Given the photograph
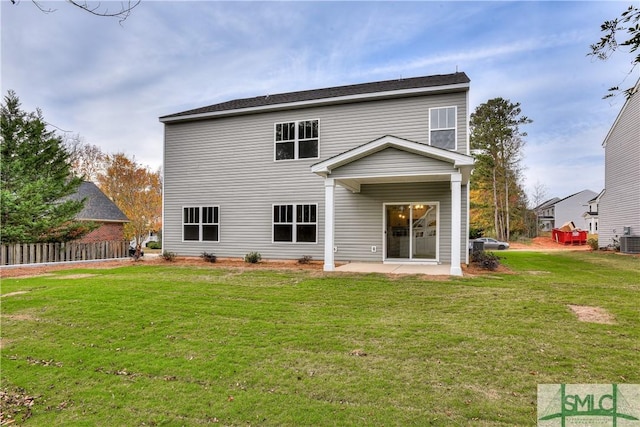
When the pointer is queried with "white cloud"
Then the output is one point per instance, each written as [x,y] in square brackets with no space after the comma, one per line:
[110,82]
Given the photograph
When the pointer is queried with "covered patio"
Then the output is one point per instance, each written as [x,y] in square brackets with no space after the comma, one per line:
[420,163]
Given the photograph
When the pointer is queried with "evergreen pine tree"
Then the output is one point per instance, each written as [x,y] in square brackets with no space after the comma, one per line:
[35,180]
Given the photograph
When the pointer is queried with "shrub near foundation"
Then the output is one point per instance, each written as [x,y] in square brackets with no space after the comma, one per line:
[485,260]
[208,257]
[252,257]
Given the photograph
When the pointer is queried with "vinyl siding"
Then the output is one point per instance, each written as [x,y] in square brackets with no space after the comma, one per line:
[360,217]
[620,204]
[229,162]
[572,208]
[390,161]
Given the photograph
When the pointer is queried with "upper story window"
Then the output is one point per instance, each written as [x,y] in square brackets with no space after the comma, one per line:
[201,224]
[296,140]
[442,127]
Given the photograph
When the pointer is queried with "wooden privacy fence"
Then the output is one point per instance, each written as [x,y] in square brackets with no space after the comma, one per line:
[38,253]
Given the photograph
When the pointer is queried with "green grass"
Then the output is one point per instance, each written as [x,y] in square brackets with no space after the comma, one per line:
[167,345]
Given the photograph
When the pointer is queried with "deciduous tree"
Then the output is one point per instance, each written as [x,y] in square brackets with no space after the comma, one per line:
[35,180]
[137,191]
[86,160]
[538,196]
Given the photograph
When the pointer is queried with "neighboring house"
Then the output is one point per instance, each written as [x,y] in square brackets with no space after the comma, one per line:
[546,214]
[556,212]
[100,209]
[591,215]
[620,204]
[366,172]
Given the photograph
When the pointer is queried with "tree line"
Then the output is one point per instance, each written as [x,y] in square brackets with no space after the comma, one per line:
[40,169]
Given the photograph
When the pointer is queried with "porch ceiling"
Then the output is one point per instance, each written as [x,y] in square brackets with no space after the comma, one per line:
[354,183]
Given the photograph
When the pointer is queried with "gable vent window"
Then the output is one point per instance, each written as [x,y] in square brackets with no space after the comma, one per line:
[296,140]
[442,125]
[201,224]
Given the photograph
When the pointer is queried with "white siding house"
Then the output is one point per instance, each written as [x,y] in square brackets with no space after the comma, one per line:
[556,212]
[619,211]
[591,215]
[368,172]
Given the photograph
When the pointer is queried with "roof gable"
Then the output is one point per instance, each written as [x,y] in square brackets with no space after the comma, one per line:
[339,94]
[97,206]
[456,159]
[392,159]
[556,200]
[579,194]
[634,93]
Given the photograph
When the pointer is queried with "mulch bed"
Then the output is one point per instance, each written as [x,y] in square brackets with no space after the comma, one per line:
[37,270]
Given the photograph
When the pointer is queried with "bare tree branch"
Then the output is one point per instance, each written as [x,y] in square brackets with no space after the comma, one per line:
[95,8]
[126,7]
[41,7]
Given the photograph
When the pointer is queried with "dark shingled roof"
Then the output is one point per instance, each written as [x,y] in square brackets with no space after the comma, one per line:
[97,206]
[327,93]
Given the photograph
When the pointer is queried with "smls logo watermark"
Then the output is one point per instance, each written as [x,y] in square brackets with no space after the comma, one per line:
[564,405]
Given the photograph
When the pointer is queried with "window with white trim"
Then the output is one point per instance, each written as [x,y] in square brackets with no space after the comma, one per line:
[296,140]
[295,223]
[442,127]
[201,223]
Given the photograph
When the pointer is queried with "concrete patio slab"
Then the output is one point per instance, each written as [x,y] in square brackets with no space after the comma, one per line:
[378,267]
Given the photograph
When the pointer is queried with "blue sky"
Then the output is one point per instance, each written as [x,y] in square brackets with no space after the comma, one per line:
[110,82]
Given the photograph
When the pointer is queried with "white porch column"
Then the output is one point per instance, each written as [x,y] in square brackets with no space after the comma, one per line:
[329,223]
[456,220]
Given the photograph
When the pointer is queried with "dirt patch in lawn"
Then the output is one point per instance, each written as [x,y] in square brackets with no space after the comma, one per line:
[473,270]
[10,294]
[591,314]
[18,317]
[75,276]
[546,244]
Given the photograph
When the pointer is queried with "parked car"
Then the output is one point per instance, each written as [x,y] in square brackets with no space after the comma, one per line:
[490,243]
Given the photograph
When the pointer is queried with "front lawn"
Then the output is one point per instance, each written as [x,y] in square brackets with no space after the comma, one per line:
[170,345]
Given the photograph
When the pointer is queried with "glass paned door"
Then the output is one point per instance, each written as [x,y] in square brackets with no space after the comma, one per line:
[424,223]
[398,221]
[411,231]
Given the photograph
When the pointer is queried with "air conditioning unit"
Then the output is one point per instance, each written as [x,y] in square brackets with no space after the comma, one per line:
[630,244]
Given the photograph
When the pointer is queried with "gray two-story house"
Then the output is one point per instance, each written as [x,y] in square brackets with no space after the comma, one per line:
[367,172]
[619,209]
